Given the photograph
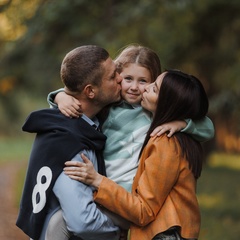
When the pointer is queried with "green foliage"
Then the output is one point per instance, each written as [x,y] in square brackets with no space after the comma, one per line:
[200,37]
[13,119]
[192,35]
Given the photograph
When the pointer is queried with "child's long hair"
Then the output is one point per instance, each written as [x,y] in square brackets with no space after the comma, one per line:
[143,56]
[181,96]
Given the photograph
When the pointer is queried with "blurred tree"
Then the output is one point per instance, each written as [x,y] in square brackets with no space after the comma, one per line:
[13,15]
[200,37]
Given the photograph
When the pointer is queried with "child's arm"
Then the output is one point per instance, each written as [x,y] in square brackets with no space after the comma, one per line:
[51,97]
[67,104]
[201,130]
[170,128]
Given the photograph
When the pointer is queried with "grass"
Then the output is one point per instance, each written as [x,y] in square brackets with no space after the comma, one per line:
[219,197]
[15,149]
[218,188]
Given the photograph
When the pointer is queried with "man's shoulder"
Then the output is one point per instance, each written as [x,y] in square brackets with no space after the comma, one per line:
[45,112]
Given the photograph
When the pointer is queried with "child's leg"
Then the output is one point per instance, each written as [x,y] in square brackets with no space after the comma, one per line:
[57,228]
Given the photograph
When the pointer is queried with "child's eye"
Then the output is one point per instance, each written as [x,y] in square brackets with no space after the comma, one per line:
[128,78]
[143,81]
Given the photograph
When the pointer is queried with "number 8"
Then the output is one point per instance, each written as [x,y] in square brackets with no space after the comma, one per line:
[40,188]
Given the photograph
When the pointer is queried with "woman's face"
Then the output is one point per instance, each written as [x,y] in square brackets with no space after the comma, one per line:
[135,79]
[150,96]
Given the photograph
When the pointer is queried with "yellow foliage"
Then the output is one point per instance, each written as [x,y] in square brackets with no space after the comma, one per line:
[12,20]
[231,161]
[210,201]
[226,138]
[6,85]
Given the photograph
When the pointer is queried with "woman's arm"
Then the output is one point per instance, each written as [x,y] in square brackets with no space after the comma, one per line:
[159,175]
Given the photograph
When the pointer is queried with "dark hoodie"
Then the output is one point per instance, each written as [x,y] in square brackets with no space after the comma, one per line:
[58,140]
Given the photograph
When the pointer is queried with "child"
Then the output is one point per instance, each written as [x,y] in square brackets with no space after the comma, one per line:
[127,122]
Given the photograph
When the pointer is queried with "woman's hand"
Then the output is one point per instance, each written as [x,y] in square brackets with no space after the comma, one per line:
[83,172]
[68,105]
[171,128]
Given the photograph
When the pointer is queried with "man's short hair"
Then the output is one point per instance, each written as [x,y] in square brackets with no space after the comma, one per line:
[82,66]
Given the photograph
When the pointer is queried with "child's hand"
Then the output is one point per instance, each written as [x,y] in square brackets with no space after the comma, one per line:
[171,128]
[68,105]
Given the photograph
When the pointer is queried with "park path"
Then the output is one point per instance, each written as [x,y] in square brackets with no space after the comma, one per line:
[8,204]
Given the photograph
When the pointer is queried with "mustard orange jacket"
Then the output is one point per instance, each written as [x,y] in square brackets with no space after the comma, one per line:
[163,193]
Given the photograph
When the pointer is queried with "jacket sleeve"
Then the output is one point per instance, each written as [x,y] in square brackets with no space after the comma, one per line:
[80,212]
[201,130]
[51,96]
[158,174]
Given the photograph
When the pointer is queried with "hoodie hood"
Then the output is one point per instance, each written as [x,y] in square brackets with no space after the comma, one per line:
[53,121]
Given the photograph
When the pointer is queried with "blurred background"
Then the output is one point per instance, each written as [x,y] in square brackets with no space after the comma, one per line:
[198,37]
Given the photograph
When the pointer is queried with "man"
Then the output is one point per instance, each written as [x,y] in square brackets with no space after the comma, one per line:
[90,75]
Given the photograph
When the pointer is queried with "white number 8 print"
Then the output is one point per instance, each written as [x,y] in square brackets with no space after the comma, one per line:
[40,188]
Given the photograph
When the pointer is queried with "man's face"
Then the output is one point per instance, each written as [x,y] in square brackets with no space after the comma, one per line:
[110,89]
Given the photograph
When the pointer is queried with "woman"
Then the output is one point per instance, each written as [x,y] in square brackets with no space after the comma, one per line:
[163,202]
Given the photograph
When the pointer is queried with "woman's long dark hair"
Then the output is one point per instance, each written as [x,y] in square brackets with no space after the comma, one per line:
[181,96]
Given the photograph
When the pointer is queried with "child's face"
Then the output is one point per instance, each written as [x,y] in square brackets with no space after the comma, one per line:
[135,79]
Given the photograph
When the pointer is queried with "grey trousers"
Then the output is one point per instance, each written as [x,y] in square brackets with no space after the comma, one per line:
[57,229]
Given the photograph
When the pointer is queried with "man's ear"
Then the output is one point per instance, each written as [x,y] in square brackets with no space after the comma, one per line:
[89,91]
